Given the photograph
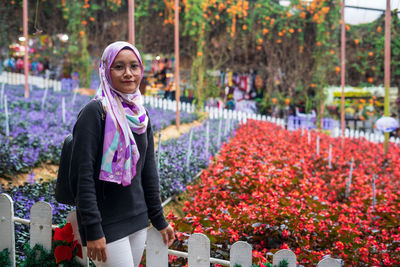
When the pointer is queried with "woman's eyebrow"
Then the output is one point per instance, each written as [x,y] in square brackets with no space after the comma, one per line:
[122,62]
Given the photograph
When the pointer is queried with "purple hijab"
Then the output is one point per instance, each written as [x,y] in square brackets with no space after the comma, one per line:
[125,114]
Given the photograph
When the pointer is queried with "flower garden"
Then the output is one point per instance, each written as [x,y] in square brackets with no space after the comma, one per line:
[229,179]
[265,185]
[269,187]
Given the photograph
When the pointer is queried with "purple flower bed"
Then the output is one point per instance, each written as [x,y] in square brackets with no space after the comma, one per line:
[36,135]
[174,176]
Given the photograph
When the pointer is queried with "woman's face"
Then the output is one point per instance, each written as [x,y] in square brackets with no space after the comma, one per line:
[125,72]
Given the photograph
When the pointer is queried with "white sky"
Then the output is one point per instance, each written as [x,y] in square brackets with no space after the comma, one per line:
[357,16]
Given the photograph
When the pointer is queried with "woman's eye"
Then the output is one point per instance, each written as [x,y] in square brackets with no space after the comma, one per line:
[134,66]
[118,67]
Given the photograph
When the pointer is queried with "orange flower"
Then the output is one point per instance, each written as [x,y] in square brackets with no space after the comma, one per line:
[81,33]
[114,23]
[272,21]
[379,29]
[356,41]
[199,53]
[260,40]
[91,19]
[217,17]
[265,31]
[280,34]
[373,68]
[347,28]
[299,30]
[267,18]
[259,48]
[287,101]
[301,48]
[302,14]
[332,52]
[291,30]
[312,85]
[84,22]
[370,79]
[370,54]
[194,23]
[244,27]
[288,14]
[319,43]
[337,69]
[279,41]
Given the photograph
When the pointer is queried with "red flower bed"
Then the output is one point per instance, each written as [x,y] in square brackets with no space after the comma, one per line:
[269,187]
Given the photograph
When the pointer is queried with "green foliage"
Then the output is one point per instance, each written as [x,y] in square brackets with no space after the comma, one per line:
[38,256]
[5,258]
[283,263]
[365,52]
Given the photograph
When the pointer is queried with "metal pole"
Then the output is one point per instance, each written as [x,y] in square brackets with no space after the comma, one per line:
[177,89]
[343,58]
[131,12]
[25,25]
[387,69]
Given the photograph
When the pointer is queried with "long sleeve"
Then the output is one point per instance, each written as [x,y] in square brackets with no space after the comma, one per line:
[87,136]
[151,185]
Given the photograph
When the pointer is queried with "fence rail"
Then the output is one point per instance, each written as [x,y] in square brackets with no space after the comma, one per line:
[198,254]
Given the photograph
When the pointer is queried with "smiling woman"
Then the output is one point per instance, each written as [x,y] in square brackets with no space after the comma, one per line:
[118,189]
[126,72]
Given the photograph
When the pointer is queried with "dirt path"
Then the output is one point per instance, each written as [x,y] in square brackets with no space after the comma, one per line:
[49,171]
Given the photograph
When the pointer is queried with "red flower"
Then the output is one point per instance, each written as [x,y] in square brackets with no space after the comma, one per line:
[63,253]
[64,234]
[79,251]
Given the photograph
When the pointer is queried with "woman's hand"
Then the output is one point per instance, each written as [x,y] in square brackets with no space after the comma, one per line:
[96,250]
[168,235]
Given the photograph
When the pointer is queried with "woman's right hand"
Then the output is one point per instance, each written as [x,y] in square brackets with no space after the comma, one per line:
[96,249]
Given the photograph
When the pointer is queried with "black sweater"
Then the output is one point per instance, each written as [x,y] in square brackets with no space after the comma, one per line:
[105,208]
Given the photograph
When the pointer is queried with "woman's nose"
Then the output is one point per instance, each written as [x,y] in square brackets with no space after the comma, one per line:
[128,71]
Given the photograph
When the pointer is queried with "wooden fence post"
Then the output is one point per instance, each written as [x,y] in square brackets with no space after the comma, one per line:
[241,253]
[199,251]
[329,262]
[285,254]
[156,250]
[7,231]
[40,225]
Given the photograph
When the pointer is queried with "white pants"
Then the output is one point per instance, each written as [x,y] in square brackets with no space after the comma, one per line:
[125,252]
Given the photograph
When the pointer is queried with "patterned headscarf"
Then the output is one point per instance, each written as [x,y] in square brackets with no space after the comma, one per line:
[125,114]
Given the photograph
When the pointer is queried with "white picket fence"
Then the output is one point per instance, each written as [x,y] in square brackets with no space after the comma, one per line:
[227,114]
[38,81]
[198,254]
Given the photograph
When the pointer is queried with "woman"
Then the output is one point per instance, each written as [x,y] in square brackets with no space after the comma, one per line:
[113,159]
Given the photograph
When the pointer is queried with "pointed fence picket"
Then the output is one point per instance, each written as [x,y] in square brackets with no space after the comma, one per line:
[157,252]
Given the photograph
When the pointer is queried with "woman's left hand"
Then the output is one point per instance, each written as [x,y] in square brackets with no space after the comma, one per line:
[168,235]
